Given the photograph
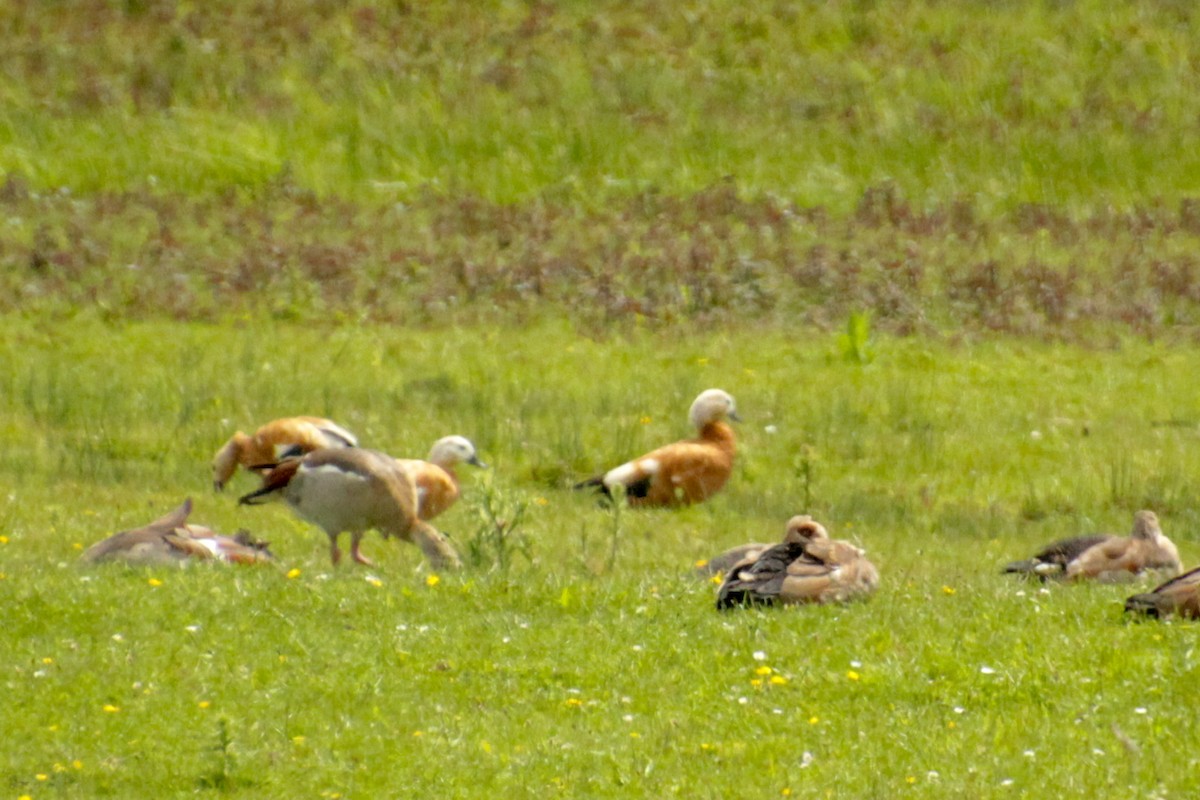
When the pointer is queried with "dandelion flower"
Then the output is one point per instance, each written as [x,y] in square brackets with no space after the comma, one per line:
[293,573]
[763,670]
[949,590]
[852,675]
[47,660]
[204,704]
[3,540]
[77,764]
[813,720]
[756,682]
[41,776]
[155,582]
[778,680]
[432,580]
[109,708]
[911,779]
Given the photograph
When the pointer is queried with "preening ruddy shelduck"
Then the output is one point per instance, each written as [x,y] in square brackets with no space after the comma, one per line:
[685,472]
[354,490]
[808,567]
[1105,557]
[271,442]
[170,539]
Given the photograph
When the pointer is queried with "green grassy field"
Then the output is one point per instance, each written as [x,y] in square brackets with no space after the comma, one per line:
[943,254]
[595,665]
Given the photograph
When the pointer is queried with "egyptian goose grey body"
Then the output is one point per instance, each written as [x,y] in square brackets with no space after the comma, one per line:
[1105,557]
[808,567]
[271,442]
[685,472]
[1179,596]
[170,539]
[354,490]
[437,482]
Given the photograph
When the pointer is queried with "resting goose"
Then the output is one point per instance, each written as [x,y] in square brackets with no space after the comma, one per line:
[1105,557]
[271,442]
[685,472]
[1176,596]
[354,490]
[437,482]
[170,539]
[808,567]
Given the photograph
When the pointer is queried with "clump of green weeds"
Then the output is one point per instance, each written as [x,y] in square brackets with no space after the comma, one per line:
[497,538]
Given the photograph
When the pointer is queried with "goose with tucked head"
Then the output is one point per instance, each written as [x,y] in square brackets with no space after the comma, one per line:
[171,539]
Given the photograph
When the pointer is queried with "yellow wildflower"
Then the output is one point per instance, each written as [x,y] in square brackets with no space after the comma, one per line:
[949,590]
[852,675]
[432,580]
[778,680]
[155,582]
[109,708]
[763,670]
[204,704]
[293,573]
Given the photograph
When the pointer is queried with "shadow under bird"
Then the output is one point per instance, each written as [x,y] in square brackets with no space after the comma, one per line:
[685,472]
[1179,596]
[1105,557]
[290,436]
[354,490]
[437,482]
[171,539]
[807,567]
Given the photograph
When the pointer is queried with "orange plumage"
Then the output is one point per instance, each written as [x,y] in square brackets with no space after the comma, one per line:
[271,442]
[685,472]
[437,482]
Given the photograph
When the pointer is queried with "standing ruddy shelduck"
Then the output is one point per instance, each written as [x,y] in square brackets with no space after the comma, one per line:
[170,539]
[808,567]
[684,472]
[354,490]
[1105,557]
[271,442]
[437,482]
[1179,595]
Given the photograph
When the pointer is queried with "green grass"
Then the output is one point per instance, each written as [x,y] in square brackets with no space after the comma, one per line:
[578,672]
[1079,104]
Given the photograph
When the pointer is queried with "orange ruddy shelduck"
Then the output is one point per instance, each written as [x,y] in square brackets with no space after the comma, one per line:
[271,442]
[1177,596]
[170,539]
[808,567]
[1104,557]
[354,490]
[437,482]
[684,472]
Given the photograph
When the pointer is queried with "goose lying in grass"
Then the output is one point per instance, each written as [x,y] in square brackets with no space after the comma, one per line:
[1105,557]
[721,564]
[1180,596]
[685,472]
[354,490]
[170,539]
[808,567]
[271,442]
[437,482]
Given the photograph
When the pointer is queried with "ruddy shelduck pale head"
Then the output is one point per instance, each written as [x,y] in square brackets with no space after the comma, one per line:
[450,450]
[712,405]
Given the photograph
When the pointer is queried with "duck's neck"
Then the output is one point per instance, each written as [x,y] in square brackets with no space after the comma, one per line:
[720,434]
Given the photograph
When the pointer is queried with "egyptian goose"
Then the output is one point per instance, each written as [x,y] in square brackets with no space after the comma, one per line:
[1105,557]
[354,490]
[271,442]
[171,539]
[685,472]
[1176,596]
[808,567]
[437,482]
